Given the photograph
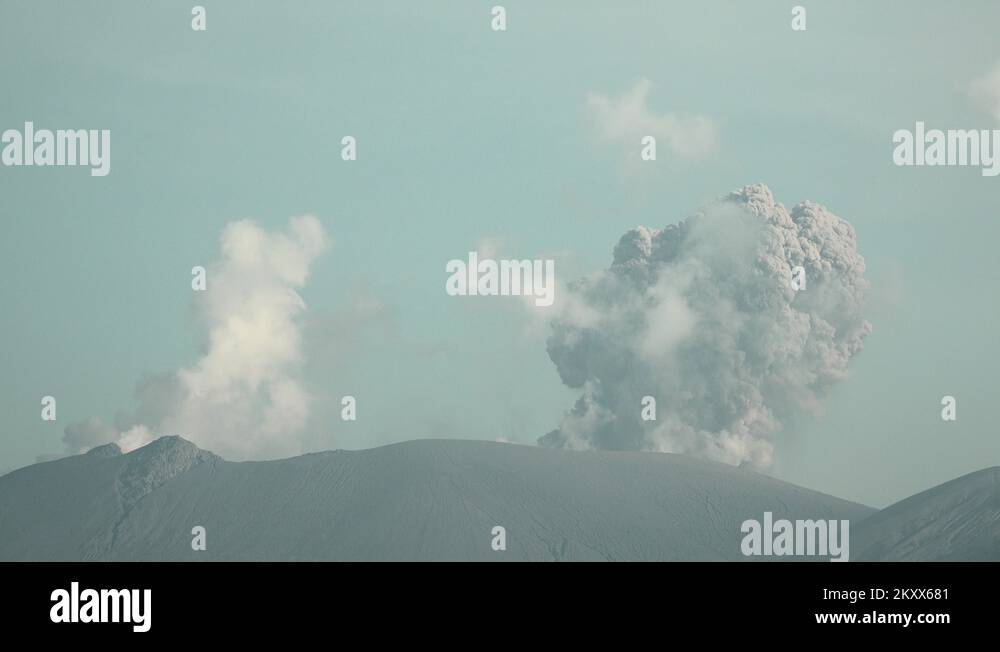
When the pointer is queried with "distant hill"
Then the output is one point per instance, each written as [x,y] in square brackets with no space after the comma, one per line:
[419,500]
[956,521]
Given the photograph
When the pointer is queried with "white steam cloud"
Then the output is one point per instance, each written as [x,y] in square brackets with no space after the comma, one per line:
[243,397]
[625,120]
[985,92]
[702,316]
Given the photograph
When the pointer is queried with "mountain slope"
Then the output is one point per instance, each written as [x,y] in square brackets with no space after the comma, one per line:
[956,521]
[419,500]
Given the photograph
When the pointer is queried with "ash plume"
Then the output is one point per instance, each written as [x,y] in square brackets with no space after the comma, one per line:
[702,315]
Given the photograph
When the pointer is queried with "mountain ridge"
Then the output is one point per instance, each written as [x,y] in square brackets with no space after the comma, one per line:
[431,499]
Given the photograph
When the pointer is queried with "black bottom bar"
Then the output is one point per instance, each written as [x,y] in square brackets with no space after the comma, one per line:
[245,600]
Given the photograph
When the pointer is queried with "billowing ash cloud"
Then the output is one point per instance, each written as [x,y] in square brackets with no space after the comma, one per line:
[703,317]
[243,397]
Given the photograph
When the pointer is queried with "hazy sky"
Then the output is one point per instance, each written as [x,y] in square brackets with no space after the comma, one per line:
[468,136]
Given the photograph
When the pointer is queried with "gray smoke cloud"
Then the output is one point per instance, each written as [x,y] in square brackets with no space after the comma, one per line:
[702,316]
